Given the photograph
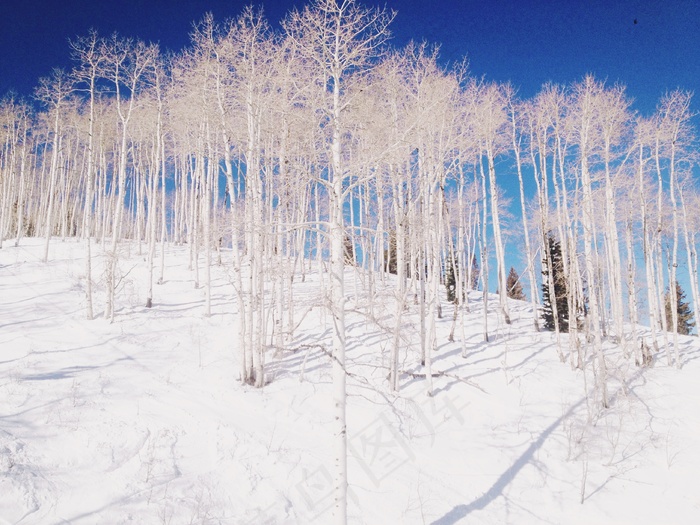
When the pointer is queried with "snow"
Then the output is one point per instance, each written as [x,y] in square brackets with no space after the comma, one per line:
[144,421]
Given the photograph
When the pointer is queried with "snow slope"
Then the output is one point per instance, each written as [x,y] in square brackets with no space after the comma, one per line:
[144,421]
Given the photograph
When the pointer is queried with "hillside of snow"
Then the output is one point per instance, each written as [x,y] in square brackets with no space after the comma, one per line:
[144,420]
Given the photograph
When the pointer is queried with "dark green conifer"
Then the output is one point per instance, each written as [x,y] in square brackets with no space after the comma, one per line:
[686,321]
[513,286]
[560,287]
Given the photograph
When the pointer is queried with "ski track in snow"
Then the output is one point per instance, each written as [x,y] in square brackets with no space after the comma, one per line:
[143,420]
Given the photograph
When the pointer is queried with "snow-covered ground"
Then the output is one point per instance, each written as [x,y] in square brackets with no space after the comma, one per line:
[144,421]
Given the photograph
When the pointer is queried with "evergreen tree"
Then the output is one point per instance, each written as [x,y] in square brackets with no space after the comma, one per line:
[513,286]
[685,315]
[476,273]
[390,255]
[560,287]
[451,276]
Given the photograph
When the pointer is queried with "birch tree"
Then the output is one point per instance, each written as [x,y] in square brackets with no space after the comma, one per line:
[643,140]
[128,67]
[515,109]
[586,141]
[340,39]
[673,137]
[492,120]
[88,52]
[53,91]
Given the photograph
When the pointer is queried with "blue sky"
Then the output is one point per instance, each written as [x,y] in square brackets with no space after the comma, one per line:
[527,42]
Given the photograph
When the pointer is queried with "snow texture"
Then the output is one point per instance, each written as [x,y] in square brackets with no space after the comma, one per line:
[144,420]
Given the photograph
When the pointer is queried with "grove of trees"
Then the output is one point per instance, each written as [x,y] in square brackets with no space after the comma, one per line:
[316,145]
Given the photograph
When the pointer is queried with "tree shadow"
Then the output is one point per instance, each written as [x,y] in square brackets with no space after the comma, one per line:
[689,355]
[32,300]
[530,355]
[28,321]
[70,371]
[459,512]
[476,348]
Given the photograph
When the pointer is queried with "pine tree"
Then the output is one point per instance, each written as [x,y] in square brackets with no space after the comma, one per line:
[513,286]
[560,288]
[451,279]
[685,315]
[476,274]
[390,255]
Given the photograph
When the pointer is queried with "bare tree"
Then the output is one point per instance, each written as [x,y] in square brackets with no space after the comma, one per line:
[53,92]
[586,140]
[492,121]
[515,109]
[672,138]
[87,51]
[339,38]
[128,68]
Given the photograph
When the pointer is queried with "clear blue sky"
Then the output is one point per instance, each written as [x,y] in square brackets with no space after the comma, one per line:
[525,41]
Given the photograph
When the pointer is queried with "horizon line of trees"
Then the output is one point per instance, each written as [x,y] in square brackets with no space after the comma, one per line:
[318,145]
[237,139]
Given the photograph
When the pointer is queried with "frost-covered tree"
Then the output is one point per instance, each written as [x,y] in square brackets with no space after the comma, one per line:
[128,67]
[339,39]
[88,53]
[517,110]
[673,136]
[587,141]
[16,144]
[54,91]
